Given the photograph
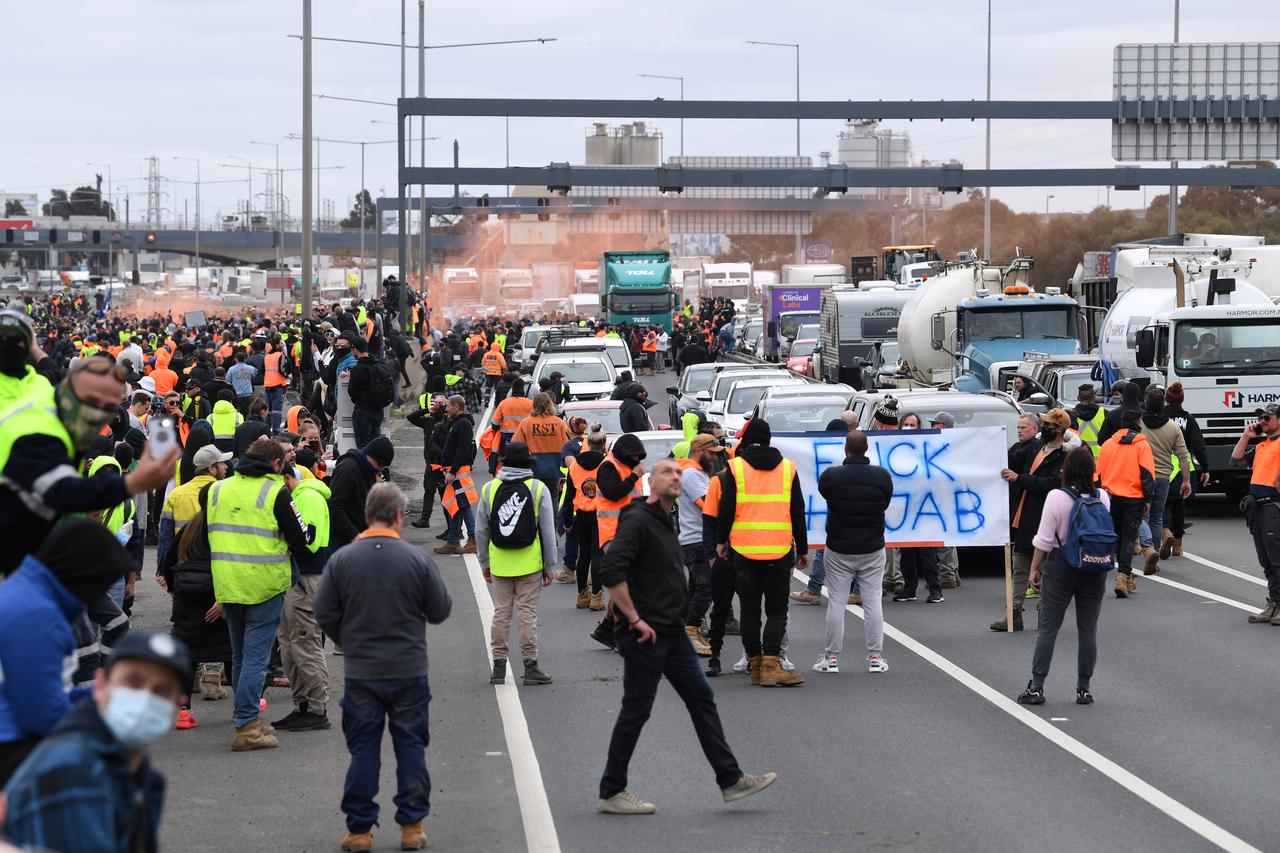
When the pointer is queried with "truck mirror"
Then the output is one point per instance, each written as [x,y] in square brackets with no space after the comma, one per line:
[938,331]
[1146,348]
[1040,399]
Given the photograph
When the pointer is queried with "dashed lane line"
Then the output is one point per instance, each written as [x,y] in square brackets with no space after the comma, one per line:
[535,810]
[1184,815]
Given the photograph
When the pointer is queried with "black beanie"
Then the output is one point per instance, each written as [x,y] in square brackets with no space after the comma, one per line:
[381,449]
[756,432]
[85,557]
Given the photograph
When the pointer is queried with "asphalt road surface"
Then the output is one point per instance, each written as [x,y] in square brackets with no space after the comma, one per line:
[1177,754]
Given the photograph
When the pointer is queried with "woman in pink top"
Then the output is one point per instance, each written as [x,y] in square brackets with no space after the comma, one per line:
[1059,583]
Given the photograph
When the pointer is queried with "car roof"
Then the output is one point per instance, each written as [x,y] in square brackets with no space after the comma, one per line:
[592,404]
[811,389]
[924,396]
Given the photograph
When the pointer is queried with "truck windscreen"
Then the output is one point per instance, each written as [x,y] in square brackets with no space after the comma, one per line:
[1017,323]
[1227,347]
[643,302]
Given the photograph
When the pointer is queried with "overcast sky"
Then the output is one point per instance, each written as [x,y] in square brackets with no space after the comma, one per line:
[114,82]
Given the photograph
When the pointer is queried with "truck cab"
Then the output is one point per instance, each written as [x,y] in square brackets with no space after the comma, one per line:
[993,331]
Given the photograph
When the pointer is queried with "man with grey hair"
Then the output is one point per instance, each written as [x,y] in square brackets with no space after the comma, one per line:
[379,617]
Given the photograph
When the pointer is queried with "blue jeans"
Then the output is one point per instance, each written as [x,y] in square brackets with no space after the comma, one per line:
[367,424]
[817,573]
[402,702]
[644,665]
[1153,524]
[465,515]
[253,630]
[275,403]
[116,591]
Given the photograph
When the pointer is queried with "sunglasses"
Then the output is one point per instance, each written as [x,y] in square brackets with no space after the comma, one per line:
[102,367]
[1265,417]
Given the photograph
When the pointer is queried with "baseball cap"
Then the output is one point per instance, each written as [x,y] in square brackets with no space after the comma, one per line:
[153,646]
[702,441]
[209,456]
[1269,409]
[1058,418]
[945,418]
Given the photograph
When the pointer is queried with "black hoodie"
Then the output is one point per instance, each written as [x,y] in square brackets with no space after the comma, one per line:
[630,452]
[1191,432]
[646,555]
[762,458]
[631,414]
[1111,423]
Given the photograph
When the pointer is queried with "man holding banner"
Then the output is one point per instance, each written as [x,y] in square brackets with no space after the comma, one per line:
[761,517]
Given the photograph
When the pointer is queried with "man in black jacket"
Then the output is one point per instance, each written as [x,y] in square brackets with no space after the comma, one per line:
[430,418]
[857,495]
[633,414]
[622,386]
[458,455]
[644,571]
[366,411]
[1040,474]
[353,477]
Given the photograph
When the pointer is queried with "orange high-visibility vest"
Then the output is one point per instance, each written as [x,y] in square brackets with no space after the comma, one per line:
[511,412]
[762,518]
[462,484]
[650,343]
[273,376]
[493,363]
[585,492]
[1121,461]
[607,511]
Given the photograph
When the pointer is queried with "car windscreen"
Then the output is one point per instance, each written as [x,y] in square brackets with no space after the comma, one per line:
[531,338]
[802,348]
[802,414]
[698,381]
[790,322]
[609,418]
[979,411]
[742,400]
[577,371]
[659,448]
[721,388]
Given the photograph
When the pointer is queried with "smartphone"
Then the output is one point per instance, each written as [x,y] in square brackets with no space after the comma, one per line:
[164,436]
[1257,429]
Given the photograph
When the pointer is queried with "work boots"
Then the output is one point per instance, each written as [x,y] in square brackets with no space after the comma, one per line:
[1152,565]
[252,736]
[700,645]
[211,682]
[356,842]
[583,601]
[773,675]
[597,600]
[1176,550]
[1166,544]
[1122,585]
[1266,614]
[1003,624]
[754,665]
[412,837]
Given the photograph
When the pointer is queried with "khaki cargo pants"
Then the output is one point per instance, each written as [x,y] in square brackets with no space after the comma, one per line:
[519,594]
[302,646]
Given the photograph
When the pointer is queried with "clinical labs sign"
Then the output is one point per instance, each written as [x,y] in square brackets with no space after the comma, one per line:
[947,488]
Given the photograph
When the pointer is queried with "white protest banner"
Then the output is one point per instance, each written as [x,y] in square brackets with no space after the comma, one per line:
[947,488]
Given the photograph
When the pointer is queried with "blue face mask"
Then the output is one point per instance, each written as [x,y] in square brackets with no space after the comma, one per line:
[138,717]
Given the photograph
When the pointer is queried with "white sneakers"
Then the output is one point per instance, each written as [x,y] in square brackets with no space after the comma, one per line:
[741,666]
[827,663]
[875,663]
[625,802]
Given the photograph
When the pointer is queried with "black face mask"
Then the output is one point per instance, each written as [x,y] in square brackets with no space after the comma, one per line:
[1048,433]
[341,351]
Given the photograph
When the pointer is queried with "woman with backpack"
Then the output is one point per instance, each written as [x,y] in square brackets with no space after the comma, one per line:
[1074,549]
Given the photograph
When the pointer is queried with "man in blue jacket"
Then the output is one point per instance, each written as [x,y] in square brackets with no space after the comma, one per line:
[73,567]
[89,785]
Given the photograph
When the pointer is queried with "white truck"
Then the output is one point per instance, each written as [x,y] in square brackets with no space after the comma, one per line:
[853,318]
[732,281]
[827,274]
[1197,319]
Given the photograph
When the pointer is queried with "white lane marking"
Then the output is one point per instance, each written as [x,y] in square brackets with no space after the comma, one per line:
[535,811]
[1059,720]
[1225,569]
[1189,818]
[1194,590]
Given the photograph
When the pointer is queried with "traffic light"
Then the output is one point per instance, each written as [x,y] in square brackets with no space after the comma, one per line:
[483,201]
[9,235]
[97,236]
[53,235]
[544,217]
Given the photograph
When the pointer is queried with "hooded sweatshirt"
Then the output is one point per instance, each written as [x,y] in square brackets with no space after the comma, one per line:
[762,458]
[1111,423]
[1165,438]
[632,413]
[312,499]
[546,515]
[1190,433]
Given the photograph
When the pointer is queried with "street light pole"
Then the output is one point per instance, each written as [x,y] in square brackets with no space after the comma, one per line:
[424,216]
[275,202]
[1046,206]
[307,225]
[248,202]
[1173,191]
[797,49]
[196,160]
[671,77]
[986,193]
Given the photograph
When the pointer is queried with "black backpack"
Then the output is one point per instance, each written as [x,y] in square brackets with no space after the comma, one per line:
[513,514]
[383,385]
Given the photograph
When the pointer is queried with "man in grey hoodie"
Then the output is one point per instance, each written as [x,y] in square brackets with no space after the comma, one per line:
[517,570]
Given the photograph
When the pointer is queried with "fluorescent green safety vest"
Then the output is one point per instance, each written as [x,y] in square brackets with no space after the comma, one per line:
[28,387]
[224,423]
[36,415]
[1177,466]
[424,400]
[1089,430]
[501,341]
[312,497]
[452,379]
[116,517]
[249,557]
[517,562]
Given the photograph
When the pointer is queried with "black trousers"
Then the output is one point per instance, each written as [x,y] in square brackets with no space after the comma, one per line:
[722,589]
[1126,515]
[669,655]
[699,597]
[1263,520]
[920,561]
[767,581]
[584,528]
[431,483]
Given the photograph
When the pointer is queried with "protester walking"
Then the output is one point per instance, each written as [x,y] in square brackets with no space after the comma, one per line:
[580,501]
[857,494]
[1126,473]
[1175,520]
[645,574]
[516,547]
[1167,444]
[1075,545]
[380,618]
[459,498]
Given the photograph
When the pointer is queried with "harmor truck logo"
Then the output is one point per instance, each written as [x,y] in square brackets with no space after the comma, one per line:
[1240,399]
[1232,400]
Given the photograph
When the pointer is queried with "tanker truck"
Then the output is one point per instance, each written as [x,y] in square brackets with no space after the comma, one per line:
[1196,319]
[969,325]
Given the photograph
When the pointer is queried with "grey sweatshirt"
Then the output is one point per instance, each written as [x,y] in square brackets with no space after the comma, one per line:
[375,600]
[546,519]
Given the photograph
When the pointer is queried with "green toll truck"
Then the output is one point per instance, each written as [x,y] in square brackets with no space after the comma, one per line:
[635,288]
